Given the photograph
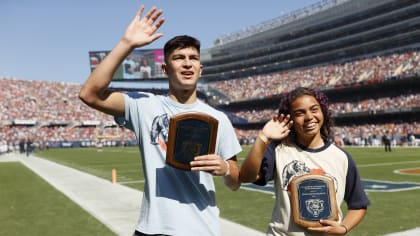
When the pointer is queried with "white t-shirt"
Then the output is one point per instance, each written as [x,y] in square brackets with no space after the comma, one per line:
[175,202]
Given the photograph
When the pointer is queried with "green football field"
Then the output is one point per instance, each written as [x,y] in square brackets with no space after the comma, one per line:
[391,181]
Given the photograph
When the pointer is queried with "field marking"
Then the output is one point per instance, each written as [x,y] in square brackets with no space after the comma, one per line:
[126,151]
[127,171]
[268,189]
[131,182]
[371,185]
[404,171]
[389,163]
[115,165]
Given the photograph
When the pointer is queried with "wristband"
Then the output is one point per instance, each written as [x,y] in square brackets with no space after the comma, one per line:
[263,138]
[345,227]
[227,168]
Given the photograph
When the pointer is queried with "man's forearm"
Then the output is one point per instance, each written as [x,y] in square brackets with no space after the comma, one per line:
[103,74]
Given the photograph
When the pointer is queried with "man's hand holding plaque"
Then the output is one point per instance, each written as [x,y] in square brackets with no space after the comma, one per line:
[190,134]
[313,199]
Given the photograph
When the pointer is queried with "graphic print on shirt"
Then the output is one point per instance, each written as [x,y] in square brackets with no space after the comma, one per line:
[293,169]
[298,168]
[159,131]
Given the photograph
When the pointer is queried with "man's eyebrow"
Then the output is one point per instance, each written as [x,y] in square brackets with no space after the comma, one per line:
[185,55]
[178,55]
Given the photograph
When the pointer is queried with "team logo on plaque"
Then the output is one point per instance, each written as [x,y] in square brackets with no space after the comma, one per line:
[313,199]
[191,134]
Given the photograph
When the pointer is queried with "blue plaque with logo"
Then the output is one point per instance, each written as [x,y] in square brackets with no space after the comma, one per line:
[313,199]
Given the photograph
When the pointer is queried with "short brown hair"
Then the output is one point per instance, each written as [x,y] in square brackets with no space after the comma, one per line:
[181,41]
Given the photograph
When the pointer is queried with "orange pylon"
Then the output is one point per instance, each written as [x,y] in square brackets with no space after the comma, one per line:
[114,176]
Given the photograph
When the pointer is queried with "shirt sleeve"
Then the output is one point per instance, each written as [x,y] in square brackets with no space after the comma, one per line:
[125,120]
[354,195]
[228,144]
[130,104]
[268,165]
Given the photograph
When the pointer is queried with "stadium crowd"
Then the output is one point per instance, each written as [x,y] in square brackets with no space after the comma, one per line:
[42,112]
[369,135]
[368,105]
[368,70]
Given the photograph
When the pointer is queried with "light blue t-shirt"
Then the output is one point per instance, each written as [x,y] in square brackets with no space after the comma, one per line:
[175,202]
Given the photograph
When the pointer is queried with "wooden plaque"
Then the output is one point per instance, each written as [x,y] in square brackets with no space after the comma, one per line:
[313,199]
[190,134]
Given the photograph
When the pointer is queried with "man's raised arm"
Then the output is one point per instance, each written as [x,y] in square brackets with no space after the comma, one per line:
[140,32]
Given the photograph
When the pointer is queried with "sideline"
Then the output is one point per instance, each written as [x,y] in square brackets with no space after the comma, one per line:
[411,232]
[115,205]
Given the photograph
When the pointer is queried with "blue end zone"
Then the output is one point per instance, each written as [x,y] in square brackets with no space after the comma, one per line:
[369,186]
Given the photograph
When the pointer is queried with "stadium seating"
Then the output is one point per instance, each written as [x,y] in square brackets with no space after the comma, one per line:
[364,54]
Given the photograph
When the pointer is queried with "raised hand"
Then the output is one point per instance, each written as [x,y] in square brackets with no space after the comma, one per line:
[278,127]
[142,31]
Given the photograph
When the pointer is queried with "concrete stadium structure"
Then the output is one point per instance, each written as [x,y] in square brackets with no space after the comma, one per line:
[324,34]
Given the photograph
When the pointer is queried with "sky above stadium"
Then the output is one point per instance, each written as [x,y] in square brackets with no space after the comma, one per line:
[50,39]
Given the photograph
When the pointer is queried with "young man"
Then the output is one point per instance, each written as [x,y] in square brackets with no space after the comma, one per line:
[175,202]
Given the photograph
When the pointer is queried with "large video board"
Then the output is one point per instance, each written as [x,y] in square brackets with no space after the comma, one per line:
[140,64]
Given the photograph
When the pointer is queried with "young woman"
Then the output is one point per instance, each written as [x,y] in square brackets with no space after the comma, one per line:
[298,142]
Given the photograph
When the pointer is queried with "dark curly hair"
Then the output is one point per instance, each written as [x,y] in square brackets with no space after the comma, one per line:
[288,98]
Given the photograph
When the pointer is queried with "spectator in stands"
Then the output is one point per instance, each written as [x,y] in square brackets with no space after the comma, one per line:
[412,140]
[175,202]
[301,136]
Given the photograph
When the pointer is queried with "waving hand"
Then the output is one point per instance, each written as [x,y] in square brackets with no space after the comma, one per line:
[142,31]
